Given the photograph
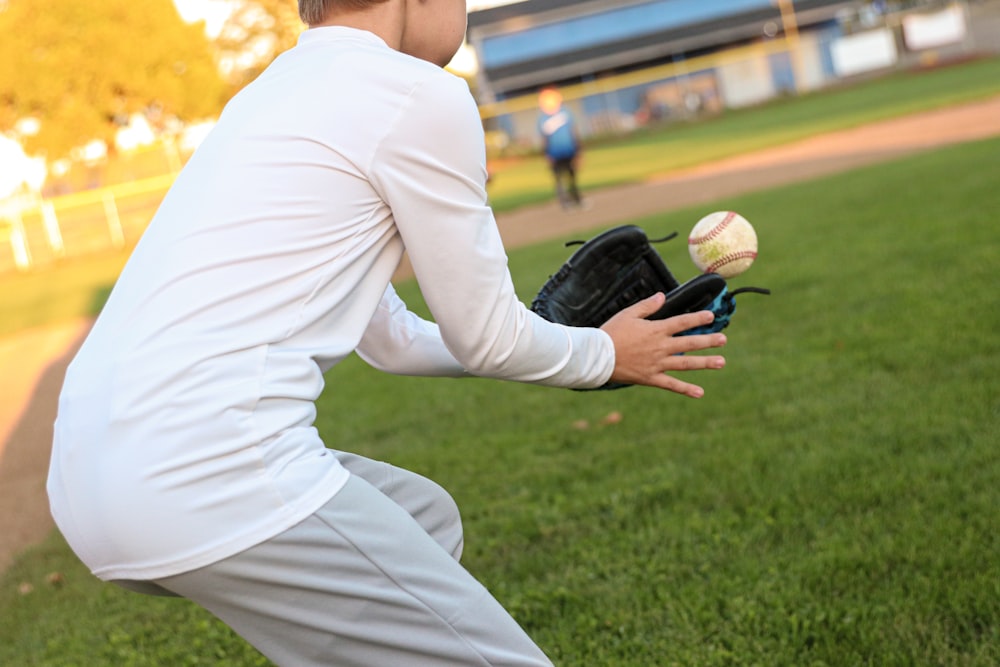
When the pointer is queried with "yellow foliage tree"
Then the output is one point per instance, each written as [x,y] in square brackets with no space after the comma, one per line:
[77,66]
[255,33]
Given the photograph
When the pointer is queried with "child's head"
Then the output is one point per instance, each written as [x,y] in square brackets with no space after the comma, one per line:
[431,30]
[549,100]
[313,12]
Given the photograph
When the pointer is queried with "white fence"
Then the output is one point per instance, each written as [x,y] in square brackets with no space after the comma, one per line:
[36,232]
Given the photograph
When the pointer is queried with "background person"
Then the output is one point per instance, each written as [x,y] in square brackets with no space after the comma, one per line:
[561,144]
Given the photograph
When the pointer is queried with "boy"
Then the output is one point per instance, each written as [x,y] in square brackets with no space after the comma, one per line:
[561,143]
[185,459]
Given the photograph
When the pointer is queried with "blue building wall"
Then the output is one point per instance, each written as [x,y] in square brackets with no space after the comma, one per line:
[613,25]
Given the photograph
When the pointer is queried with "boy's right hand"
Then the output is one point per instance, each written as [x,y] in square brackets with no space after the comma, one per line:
[646,350]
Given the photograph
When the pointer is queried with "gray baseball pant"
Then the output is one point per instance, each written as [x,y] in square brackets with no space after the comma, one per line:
[370,580]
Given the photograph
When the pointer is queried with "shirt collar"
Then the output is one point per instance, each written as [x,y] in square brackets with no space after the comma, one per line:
[338,32]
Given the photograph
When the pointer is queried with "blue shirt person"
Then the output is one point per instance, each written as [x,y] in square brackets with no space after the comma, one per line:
[561,143]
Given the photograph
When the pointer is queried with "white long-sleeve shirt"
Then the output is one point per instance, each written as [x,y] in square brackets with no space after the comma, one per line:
[185,427]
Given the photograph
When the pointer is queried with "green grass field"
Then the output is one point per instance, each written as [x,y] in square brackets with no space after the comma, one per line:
[831,501]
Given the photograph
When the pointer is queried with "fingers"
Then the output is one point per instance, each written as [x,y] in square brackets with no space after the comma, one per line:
[678,387]
[684,344]
[671,325]
[659,374]
[646,307]
[679,323]
[647,351]
[695,363]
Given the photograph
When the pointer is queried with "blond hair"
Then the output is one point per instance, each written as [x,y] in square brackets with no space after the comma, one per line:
[314,11]
[550,99]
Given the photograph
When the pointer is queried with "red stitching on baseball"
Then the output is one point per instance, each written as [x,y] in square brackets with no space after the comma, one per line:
[731,257]
[714,231]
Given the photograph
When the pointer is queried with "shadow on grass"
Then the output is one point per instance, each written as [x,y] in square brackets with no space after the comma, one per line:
[24,463]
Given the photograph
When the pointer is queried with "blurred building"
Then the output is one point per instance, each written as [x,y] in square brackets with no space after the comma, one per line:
[630,62]
[524,45]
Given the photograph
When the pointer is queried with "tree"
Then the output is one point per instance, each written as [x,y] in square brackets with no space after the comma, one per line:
[79,65]
[255,33]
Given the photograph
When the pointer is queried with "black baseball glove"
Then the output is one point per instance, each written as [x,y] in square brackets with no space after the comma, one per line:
[617,269]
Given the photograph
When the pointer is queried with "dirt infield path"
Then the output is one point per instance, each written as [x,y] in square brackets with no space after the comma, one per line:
[799,161]
[34,362]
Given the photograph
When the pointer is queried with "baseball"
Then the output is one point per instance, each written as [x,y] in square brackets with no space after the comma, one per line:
[724,243]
